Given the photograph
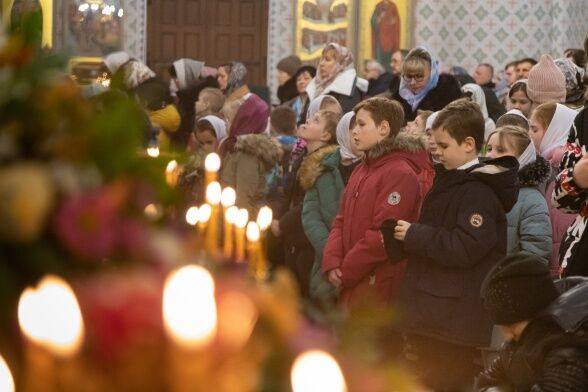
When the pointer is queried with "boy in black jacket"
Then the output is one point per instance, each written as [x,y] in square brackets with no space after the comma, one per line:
[544,324]
[460,235]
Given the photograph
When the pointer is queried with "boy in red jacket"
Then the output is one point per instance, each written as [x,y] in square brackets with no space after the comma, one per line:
[391,182]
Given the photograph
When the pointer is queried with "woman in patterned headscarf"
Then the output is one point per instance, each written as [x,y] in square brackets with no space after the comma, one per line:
[336,76]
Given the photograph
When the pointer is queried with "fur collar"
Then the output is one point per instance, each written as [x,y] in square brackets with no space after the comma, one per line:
[313,166]
[402,142]
[535,174]
[342,84]
[262,146]
[238,93]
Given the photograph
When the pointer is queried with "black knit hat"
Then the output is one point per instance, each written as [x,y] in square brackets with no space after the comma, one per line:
[518,288]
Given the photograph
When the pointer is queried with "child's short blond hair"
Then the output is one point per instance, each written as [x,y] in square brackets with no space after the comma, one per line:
[331,120]
[214,97]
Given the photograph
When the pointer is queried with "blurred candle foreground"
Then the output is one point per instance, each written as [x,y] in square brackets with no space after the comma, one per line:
[212,164]
[190,321]
[240,223]
[172,172]
[192,216]
[318,371]
[264,218]
[153,152]
[6,380]
[228,197]
[50,318]
[230,217]
[254,252]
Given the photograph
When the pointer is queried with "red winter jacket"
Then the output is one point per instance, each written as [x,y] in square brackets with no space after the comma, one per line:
[391,183]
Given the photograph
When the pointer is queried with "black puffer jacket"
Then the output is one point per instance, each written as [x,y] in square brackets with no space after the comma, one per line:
[552,352]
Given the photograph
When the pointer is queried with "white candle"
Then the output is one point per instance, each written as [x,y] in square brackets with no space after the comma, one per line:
[316,370]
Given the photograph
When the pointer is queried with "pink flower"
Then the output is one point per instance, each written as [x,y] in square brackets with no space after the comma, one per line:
[88,224]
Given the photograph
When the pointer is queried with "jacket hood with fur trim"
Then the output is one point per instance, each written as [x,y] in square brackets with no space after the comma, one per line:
[535,173]
[263,146]
[316,163]
[404,142]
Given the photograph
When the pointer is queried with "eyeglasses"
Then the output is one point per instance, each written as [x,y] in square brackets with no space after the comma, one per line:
[417,78]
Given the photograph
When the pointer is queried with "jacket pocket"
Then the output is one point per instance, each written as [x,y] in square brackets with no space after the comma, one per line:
[442,282]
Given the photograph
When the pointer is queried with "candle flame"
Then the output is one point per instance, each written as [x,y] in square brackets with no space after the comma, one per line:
[231,214]
[153,211]
[212,162]
[192,216]
[189,308]
[50,316]
[153,152]
[204,213]
[6,380]
[172,173]
[171,166]
[252,232]
[264,218]
[228,197]
[213,193]
[242,218]
[316,370]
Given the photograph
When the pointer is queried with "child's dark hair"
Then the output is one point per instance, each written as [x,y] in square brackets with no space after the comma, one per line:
[283,120]
[512,119]
[331,120]
[462,119]
[204,125]
[518,86]
[383,109]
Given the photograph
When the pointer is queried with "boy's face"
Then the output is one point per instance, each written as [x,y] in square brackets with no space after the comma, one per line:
[201,105]
[450,153]
[366,134]
[313,130]
[415,127]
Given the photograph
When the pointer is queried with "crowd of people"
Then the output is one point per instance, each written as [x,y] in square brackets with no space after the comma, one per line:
[459,200]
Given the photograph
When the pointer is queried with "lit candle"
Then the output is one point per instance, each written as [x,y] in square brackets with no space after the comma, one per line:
[253,250]
[153,152]
[240,223]
[192,216]
[228,197]
[172,172]
[50,319]
[204,213]
[264,218]
[6,380]
[316,370]
[230,217]
[212,164]
[190,322]
[213,197]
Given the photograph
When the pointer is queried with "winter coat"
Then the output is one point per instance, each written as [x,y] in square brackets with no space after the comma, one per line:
[379,85]
[347,89]
[459,236]
[169,120]
[529,227]
[391,182]
[446,91]
[245,169]
[551,353]
[570,198]
[321,178]
[560,220]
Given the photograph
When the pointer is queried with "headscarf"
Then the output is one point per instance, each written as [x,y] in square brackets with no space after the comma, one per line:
[430,120]
[314,106]
[115,60]
[220,127]
[414,99]
[557,132]
[187,72]
[237,77]
[479,98]
[517,112]
[344,62]
[343,137]
[136,73]
[251,117]
[573,75]
[528,156]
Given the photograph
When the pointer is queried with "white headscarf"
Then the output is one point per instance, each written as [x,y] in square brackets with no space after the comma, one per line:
[479,98]
[314,106]
[430,120]
[343,137]
[220,127]
[114,60]
[528,156]
[517,112]
[188,72]
[556,134]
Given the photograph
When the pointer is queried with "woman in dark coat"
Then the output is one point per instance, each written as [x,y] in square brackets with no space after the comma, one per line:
[421,86]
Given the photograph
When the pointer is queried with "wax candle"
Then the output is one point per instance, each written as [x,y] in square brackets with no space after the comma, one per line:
[212,164]
[240,223]
[230,217]
[213,197]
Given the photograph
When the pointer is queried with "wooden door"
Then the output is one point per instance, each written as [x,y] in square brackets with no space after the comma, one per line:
[212,31]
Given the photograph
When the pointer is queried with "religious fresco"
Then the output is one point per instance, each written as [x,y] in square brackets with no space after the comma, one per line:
[319,22]
[370,28]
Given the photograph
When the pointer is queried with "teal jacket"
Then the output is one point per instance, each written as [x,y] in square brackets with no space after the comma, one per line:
[320,176]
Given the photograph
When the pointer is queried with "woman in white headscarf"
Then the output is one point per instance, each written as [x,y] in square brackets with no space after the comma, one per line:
[476,94]
[336,76]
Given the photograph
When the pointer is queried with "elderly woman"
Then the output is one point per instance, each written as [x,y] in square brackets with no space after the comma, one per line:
[249,113]
[421,86]
[336,76]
